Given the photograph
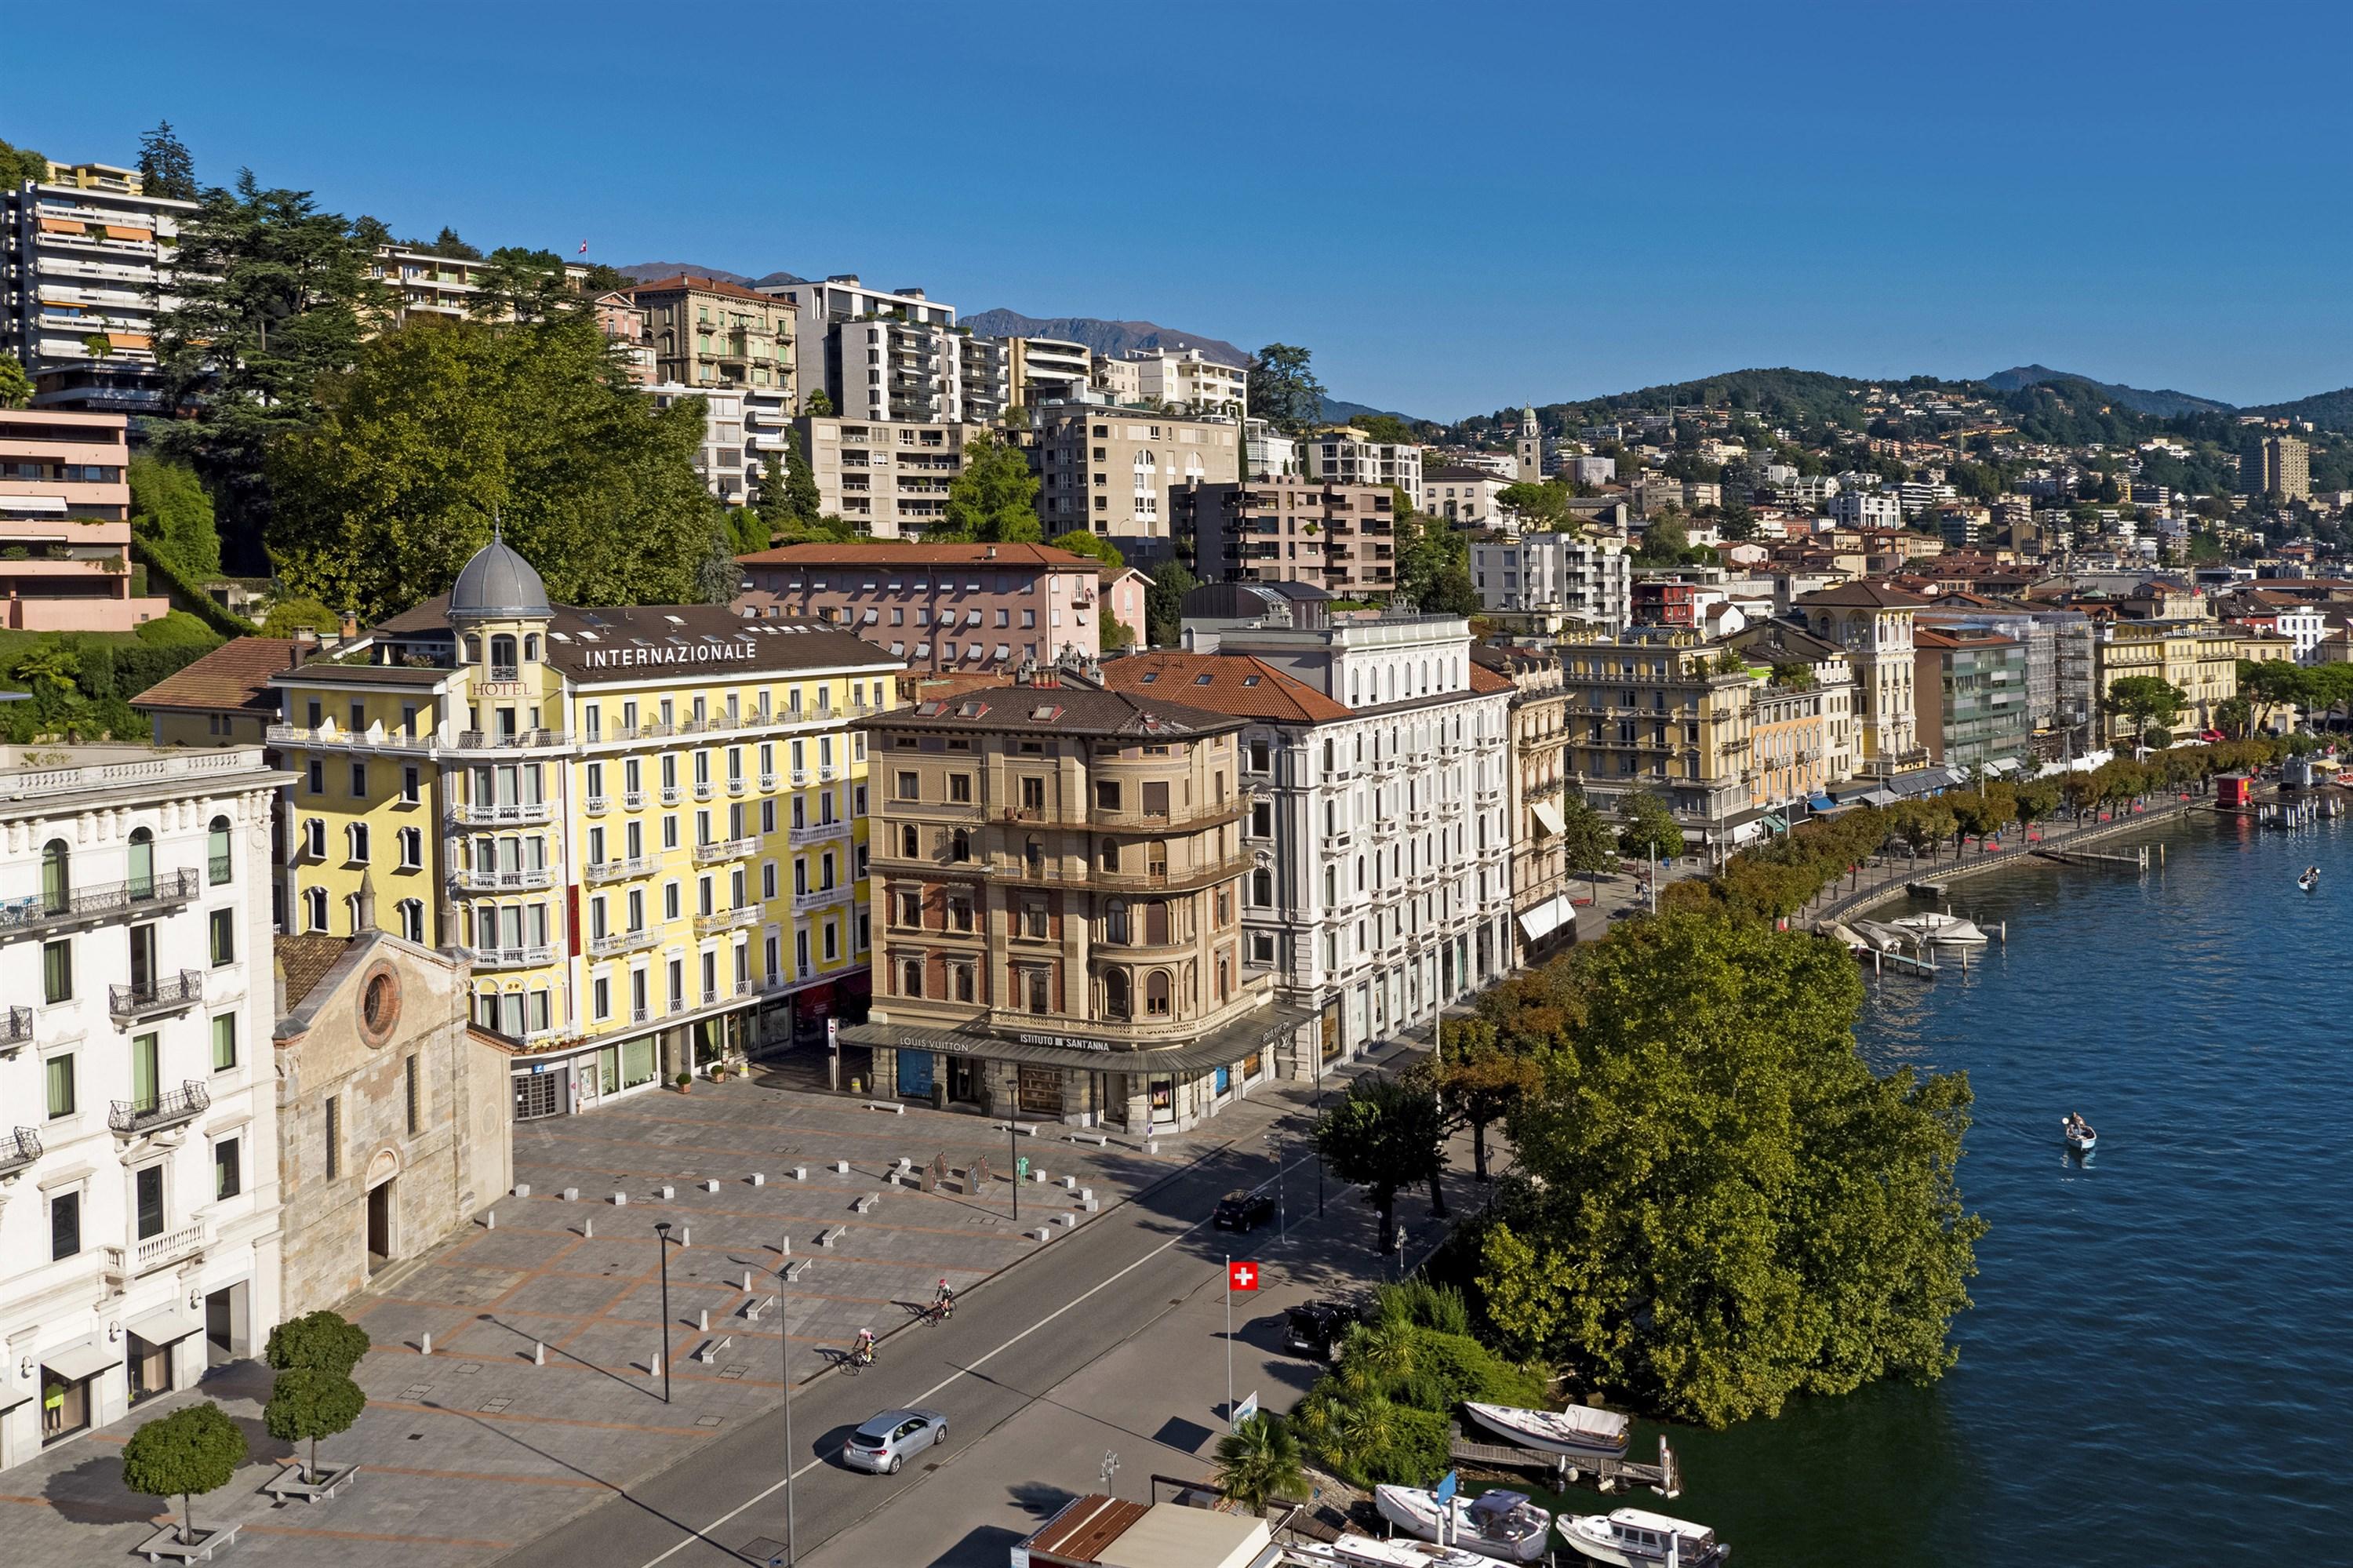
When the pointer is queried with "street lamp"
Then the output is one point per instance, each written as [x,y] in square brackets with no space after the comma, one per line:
[1281,1209]
[785,1353]
[661,1241]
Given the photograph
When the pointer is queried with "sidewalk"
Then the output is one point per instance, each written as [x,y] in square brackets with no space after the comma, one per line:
[479,1448]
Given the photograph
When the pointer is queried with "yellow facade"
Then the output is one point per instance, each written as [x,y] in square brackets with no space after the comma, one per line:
[635,861]
[2200,657]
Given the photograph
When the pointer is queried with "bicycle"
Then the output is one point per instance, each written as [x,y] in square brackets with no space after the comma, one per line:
[939,1311]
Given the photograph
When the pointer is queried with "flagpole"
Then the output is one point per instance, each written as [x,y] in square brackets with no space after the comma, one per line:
[1229,1339]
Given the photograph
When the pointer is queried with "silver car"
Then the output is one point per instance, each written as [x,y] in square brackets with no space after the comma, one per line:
[883,1443]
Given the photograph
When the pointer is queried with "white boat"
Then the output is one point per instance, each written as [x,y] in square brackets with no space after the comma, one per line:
[1580,1431]
[1944,930]
[1497,1524]
[1635,1537]
[2081,1138]
[2309,881]
[1364,1552]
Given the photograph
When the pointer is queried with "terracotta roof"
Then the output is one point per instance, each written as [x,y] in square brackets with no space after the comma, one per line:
[233,675]
[1486,681]
[1874,596]
[1959,637]
[917,555]
[700,285]
[1227,682]
[1072,706]
[306,960]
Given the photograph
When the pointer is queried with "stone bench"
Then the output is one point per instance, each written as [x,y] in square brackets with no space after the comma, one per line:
[866,1204]
[831,1234]
[893,1107]
[794,1270]
[1025,1129]
[708,1352]
[1100,1139]
[165,1543]
[289,1484]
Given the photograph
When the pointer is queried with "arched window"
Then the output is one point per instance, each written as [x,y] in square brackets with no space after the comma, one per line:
[1225,977]
[356,844]
[473,649]
[911,977]
[1262,888]
[1034,852]
[217,869]
[1156,994]
[57,876]
[1155,857]
[352,912]
[315,908]
[1111,854]
[1118,1001]
[1331,887]
[910,842]
[502,658]
[1156,924]
[960,845]
[1115,926]
[1360,874]
[142,864]
[530,649]
[412,919]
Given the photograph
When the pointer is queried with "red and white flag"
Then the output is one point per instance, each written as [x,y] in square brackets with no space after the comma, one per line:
[1241,1277]
[584,247]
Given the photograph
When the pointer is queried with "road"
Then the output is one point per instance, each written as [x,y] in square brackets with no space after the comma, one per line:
[1012,1342]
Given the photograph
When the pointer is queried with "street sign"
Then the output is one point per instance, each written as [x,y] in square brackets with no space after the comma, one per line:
[1447,1489]
[1246,1409]
[1241,1277]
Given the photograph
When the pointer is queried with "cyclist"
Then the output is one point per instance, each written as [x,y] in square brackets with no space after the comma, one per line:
[862,1353]
[944,1301]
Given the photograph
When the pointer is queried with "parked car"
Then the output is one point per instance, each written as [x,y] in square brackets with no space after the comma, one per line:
[882,1445]
[1242,1210]
[1313,1328]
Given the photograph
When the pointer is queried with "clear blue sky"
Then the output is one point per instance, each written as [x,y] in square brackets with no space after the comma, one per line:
[1455,206]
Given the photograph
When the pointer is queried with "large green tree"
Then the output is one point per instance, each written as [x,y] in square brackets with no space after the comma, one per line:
[1722,1206]
[1647,828]
[518,284]
[1282,388]
[1164,602]
[995,498]
[272,294]
[1434,564]
[18,165]
[170,510]
[165,167]
[306,1404]
[2147,702]
[1544,505]
[194,1451]
[15,387]
[1588,847]
[443,424]
[1384,1136]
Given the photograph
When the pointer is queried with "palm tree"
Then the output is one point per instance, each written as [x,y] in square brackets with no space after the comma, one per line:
[1259,1461]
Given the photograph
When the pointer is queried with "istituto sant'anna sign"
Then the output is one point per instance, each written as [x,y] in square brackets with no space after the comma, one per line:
[732,652]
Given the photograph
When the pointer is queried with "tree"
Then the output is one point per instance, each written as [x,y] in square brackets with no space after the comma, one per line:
[1587,845]
[1537,506]
[18,165]
[170,510]
[788,501]
[1164,602]
[2145,700]
[316,1341]
[1384,1136]
[165,167]
[995,498]
[1386,428]
[447,243]
[1482,1083]
[1433,565]
[1259,1461]
[442,424]
[516,284]
[817,404]
[306,1404]
[1080,542]
[1648,827]
[15,387]
[2272,683]
[2235,716]
[1707,1166]
[1524,1290]
[289,616]
[1665,543]
[1737,520]
[1282,389]
[1117,635]
[272,295]
[192,1451]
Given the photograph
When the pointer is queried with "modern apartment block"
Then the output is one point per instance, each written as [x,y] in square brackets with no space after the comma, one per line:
[1972,686]
[1405,824]
[887,478]
[2279,465]
[710,334]
[939,606]
[642,825]
[1059,874]
[2060,694]
[139,1244]
[1350,457]
[1656,710]
[1046,370]
[1268,454]
[424,283]
[65,524]
[726,460]
[1184,379]
[1588,580]
[1340,537]
[894,355]
[1867,509]
[86,263]
[1116,470]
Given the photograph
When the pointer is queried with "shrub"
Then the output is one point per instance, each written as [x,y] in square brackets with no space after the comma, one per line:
[317,1341]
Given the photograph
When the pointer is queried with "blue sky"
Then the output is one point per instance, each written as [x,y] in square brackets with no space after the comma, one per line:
[1455,206]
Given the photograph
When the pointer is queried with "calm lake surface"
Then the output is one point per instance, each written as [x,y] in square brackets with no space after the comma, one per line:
[2159,1365]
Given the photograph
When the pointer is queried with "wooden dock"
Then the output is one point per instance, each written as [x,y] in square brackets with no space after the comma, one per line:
[2134,861]
[1665,1477]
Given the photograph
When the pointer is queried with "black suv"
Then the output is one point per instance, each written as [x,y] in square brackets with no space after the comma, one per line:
[1313,1328]
[1244,1211]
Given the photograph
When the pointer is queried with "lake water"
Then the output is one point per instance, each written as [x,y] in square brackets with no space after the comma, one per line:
[2159,1368]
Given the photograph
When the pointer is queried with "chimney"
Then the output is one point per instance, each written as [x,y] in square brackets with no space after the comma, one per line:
[350,627]
[990,554]
[305,637]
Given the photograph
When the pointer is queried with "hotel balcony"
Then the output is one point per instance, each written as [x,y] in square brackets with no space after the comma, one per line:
[178,993]
[373,738]
[605,871]
[136,899]
[726,849]
[614,942]
[502,881]
[727,920]
[509,957]
[819,833]
[820,897]
[18,1149]
[129,1119]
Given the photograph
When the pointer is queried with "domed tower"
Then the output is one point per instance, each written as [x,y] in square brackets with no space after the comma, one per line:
[498,612]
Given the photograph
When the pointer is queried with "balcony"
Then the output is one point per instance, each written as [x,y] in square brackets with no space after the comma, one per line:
[633,799]
[605,871]
[819,833]
[672,795]
[156,998]
[511,740]
[703,791]
[18,1149]
[509,957]
[768,782]
[512,814]
[375,738]
[129,1119]
[594,805]
[725,848]
[737,785]
[501,881]
[157,1252]
[726,920]
[614,942]
[136,899]
[820,897]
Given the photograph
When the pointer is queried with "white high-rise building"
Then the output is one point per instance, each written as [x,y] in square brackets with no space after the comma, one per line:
[139,1196]
[1350,457]
[85,264]
[1590,579]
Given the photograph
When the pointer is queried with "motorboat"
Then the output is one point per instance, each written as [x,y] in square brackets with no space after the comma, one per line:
[1944,931]
[1364,1552]
[2309,880]
[1636,1538]
[1503,1525]
[2081,1138]
[1580,1431]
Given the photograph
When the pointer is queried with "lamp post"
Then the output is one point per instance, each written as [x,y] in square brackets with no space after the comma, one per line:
[1013,1163]
[661,1241]
[784,1354]
[1319,1120]
[1282,1207]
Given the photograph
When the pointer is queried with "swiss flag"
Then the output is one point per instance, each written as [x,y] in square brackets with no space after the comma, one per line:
[1241,1277]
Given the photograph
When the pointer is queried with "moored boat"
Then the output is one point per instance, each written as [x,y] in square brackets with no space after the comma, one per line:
[1364,1552]
[1580,1432]
[2081,1138]
[1636,1538]
[1944,930]
[1503,1525]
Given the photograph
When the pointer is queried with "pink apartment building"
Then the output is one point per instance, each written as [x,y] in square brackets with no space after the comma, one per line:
[65,524]
[947,607]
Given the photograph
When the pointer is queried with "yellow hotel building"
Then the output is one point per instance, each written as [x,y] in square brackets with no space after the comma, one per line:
[645,826]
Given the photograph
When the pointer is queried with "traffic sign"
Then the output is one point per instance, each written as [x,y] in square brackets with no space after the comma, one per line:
[1246,1409]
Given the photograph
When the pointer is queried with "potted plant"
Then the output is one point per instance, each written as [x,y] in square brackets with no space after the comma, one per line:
[718,1072]
[685,1083]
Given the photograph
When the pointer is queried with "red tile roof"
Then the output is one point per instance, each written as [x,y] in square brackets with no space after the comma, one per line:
[233,675]
[916,556]
[1225,682]
[700,285]
[1486,681]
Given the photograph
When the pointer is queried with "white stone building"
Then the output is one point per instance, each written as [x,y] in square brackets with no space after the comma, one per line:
[1350,457]
[1590,580]
[139,1195]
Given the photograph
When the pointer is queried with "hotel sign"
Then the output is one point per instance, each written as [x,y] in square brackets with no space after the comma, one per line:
[729,652]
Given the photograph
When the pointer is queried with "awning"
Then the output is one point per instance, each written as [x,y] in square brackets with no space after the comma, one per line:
[1548,817]
[33,505]
[124,232]
[1776,824]
[168,1324]
[85,1356]
[1877,797]
[1546,918]
[1822,803]
[1262,1027]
